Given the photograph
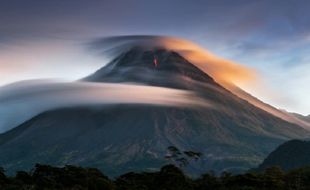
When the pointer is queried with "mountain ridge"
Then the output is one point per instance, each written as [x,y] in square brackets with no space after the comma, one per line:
[290,155]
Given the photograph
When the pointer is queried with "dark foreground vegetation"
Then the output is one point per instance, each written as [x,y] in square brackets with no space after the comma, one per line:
[44,177]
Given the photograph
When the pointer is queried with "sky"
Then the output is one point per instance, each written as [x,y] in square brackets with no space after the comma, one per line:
[47,39]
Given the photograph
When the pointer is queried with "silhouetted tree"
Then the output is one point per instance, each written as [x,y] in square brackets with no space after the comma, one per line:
[24,177]
[181,159]
[193,155]
[208,182]
[273,178]
[170,177]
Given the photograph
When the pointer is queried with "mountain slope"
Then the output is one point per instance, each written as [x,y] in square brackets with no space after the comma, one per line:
[232,134]
[304,118]
[290,117]
[289,155]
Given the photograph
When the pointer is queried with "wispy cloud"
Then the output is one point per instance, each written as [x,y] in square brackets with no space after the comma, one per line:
[40,95]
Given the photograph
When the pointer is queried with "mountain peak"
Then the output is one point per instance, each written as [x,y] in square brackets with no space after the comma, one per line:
[156,66]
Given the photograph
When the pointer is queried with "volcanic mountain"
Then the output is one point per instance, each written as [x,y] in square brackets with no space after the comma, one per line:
[231,133]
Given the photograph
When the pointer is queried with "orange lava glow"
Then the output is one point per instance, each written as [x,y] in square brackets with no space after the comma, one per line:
[155,62]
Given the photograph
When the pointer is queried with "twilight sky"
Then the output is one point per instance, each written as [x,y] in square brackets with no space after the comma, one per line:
[47,38]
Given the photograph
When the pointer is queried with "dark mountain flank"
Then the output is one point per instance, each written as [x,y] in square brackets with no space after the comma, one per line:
[232,134]
[289,155]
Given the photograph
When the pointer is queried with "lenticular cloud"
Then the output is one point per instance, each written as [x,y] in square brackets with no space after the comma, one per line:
[21,101]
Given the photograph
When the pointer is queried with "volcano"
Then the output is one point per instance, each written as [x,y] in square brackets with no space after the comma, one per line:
[231,133]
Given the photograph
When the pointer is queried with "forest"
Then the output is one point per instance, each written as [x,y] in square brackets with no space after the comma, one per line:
[169,177]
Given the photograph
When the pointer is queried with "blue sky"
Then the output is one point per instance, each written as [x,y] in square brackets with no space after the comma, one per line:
[45,39]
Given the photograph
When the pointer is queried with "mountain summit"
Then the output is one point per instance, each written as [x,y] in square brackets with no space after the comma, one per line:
[158,67]
[231,133]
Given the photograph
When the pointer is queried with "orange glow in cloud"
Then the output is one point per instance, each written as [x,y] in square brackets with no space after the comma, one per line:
[222,70]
